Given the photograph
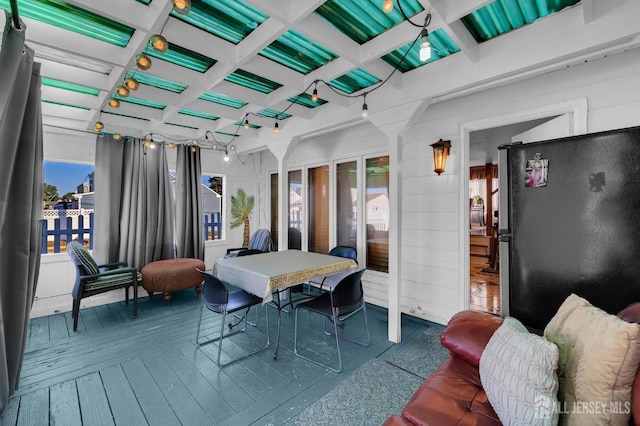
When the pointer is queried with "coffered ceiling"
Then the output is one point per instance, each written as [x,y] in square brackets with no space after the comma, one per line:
[260,60]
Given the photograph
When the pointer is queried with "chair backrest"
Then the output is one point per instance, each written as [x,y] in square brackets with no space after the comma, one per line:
[213,290]
[82,259]
[345,251]
[249,252]
[294,239]
[261,240]
[348,293]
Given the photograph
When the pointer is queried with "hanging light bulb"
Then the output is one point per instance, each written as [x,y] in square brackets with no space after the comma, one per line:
[122,91]
[183,7]
[131,83]
[387,6]
[314,96]
[152,145]
[171,145]
[276,128]
[98,126]
[114,103]
[246,124]
[143,61]
[147,143]
[425,46]
[365,109]
[117,136]
[226,155]
[194,148]
[159,43]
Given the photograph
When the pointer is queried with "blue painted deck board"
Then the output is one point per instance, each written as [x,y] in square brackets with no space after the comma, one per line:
[120,370]
[65,408]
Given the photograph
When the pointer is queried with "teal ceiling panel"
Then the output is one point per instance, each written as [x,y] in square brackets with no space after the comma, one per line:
[70,86]
[141,102]
[222,100]
[441,46]
[252,81]
[198,114]
[231,20]
[183,57]
[503,16]
[363,20]
[65,104]
[72,18]
[295,51]
[251,125]
[272,113]
[182,125]
[124,115]
[304,99]
[157,82]
[353,81]
[147,2]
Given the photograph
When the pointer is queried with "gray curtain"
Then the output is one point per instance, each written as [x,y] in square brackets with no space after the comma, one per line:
[189,216]
[134,203]
[20,199]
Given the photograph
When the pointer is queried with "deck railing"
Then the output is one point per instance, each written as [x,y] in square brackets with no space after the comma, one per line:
[56,232]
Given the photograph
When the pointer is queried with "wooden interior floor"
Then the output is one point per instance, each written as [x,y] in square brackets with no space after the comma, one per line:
[484,287]
[117,370]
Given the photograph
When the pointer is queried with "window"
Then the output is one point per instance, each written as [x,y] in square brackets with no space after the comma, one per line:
[347,203]
[377,213]
[68,202]
[274,210]
[212,196]
[295,209]
[318,194]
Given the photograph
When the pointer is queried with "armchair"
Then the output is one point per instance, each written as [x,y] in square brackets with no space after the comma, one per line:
[260,240]
[92,279]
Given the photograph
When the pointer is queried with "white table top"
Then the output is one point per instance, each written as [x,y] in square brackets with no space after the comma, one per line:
[262,274]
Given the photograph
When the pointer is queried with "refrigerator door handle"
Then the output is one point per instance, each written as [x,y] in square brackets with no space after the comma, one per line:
[504,236]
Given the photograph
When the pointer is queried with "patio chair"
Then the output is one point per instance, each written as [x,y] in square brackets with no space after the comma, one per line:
[260,240]
[219,300]
[347,252]
[92,279]
[346,299]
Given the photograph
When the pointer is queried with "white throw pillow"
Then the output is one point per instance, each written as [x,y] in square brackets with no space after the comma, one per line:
[518,374]
[599,357]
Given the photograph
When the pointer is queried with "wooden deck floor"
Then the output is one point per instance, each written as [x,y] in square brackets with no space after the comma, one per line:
[116,370]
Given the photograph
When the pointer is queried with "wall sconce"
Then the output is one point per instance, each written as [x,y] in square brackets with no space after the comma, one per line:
[440,154]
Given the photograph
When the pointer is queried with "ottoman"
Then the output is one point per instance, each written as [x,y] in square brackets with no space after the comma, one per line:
[165,276]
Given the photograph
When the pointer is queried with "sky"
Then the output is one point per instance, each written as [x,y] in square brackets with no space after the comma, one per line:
[64,176]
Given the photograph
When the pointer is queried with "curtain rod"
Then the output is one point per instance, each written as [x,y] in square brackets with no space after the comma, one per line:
[15,14]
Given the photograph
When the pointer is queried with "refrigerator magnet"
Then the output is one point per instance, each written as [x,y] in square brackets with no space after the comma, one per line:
[536,172]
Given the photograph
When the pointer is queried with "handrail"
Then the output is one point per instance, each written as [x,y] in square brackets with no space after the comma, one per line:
[15,14]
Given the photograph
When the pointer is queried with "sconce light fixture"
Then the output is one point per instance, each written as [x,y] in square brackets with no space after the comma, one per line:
[440,153]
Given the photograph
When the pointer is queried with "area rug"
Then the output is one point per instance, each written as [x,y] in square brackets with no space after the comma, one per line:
[422,355]
[368,396]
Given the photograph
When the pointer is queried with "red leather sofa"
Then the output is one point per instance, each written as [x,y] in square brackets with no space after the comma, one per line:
[453,394]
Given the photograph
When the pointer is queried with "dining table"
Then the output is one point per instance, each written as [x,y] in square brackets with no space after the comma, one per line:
[275,272]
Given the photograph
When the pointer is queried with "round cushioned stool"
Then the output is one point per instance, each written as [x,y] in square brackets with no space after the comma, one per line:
[168,275]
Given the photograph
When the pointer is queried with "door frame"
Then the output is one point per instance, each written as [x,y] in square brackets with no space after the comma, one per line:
[577,108]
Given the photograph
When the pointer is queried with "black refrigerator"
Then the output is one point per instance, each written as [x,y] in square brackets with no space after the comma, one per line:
[570,223]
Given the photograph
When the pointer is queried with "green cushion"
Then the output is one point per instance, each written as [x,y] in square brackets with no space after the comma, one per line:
[111,281]
[81,257]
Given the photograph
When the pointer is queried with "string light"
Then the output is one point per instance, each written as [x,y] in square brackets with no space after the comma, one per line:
[387,6]
[159,43]
[114,103]
[246,123]
[122,91]
[117,136]
[143,61]
[276,128]
[183,7]
[425,45]
[194,148]
[98,126]
[314,96]
[131,83]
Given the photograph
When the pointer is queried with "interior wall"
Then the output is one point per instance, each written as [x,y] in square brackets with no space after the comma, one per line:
[432,283]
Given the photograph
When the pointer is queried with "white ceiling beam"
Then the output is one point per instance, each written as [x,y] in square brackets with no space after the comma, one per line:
[274,71]
[456,30]
[71,74]
[459,9]
[587,11]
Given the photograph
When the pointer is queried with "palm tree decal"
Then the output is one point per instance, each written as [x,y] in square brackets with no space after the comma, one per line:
[241,209]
